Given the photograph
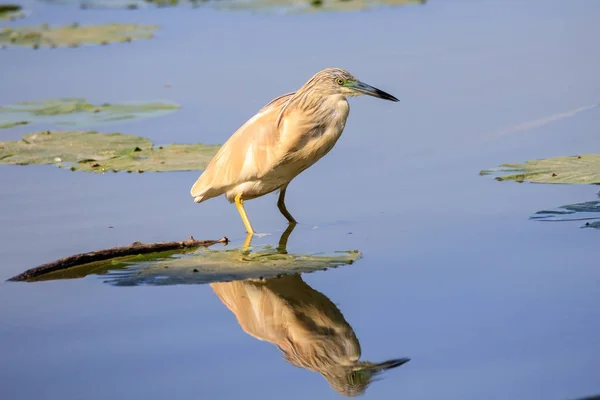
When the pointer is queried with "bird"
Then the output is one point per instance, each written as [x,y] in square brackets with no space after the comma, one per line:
[284,138]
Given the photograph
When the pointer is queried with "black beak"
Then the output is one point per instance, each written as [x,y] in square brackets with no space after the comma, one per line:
[390,364]
[372,91]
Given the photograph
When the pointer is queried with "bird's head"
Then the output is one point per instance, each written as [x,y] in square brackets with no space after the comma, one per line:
[353,381]
[333,81]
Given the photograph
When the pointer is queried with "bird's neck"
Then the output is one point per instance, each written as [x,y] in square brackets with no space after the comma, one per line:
[323,106]
[336,108]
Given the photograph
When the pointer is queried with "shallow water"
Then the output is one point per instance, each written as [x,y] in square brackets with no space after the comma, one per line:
[454,275]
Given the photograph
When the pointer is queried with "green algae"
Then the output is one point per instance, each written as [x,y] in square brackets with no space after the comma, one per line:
[102,267]
[11,12]
[580,169]
[74,35]
[79,112]
[13,124]
[207,265]
[203,266]
[95,152]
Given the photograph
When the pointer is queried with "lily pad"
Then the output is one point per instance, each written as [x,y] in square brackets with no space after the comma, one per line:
[74,35]
[581,169]
[11,11]
[203,266]
[588,211]
[79,112]
[92,151]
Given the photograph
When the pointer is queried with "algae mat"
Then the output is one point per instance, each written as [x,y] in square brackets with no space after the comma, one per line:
[579,169]
[11,12]
[74,35]
[74,111]
[204,266]
[91,151]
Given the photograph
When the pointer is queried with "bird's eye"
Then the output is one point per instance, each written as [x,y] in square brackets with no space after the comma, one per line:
[339,81]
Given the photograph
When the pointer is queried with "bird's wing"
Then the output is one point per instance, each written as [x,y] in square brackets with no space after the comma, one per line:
[247,155]
[278,101]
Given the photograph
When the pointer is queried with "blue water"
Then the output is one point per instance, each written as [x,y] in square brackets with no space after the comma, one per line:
[485,302]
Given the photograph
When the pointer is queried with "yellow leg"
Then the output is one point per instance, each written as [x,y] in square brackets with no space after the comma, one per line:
[239,203]
[247,242]
[282,207]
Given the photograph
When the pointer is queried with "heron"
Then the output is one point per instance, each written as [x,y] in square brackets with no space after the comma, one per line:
[285,137]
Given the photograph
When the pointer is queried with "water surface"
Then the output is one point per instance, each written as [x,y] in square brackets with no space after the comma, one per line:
[485,302]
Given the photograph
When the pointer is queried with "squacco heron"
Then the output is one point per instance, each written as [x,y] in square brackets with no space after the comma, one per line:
[284,138]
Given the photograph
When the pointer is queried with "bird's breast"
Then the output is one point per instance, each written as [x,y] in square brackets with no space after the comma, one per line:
[341,109]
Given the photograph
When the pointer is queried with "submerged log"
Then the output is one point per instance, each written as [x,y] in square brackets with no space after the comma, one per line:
[106,254]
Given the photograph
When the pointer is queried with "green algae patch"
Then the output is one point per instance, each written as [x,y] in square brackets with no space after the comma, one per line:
[73,111]
[203,266]
[189,262]
[74,35]
[580,169]
[11,12]
[13,124]
[208,265]
[101,267]
[91,151]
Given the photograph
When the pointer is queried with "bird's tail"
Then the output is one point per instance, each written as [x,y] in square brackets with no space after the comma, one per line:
[203,189]
[199,189]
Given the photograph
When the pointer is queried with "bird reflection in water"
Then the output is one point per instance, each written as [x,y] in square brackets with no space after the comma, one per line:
[304,325]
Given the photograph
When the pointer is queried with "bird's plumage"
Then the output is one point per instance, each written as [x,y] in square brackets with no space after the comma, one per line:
[285,137]
[274,146]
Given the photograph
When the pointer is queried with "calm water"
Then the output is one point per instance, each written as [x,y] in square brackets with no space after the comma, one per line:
[485,302]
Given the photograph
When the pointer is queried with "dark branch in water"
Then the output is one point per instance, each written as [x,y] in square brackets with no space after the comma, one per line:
[113,252]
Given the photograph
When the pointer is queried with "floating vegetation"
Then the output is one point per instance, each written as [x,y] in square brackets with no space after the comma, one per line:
[277,5]
[581,169]
[588,211]
[202,266]
[11,12]
[91,151]
[74,35]
[13,124]
[167,3]
[78,112]
[208,265]
[85,263]
[132,4]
